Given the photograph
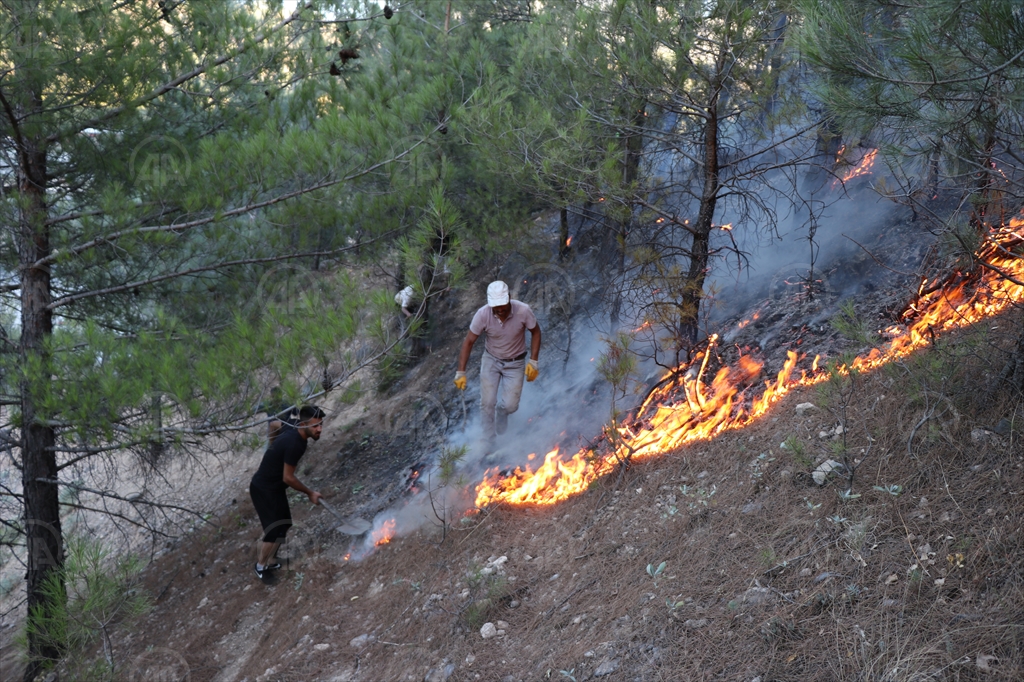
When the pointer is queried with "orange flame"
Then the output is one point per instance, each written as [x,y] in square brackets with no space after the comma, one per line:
[568,241]
[383,535]
[862,168]
[688,410]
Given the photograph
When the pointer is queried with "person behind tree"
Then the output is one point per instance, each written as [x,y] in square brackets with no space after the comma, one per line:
[276,473]
[504,362]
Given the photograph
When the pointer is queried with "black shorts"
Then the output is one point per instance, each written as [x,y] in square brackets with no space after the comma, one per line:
[272,507]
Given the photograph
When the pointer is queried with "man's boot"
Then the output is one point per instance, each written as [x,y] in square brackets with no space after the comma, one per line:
[500,420]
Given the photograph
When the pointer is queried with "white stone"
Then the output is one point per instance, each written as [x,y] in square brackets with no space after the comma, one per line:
[803,408]
[820,475]
[488,630]
[361,641]
[323,646]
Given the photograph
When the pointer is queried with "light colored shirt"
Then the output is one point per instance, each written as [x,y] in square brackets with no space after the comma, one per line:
[404,297]
[505,340]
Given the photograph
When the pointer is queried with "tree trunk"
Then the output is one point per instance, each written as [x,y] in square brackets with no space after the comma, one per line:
[693,292]
[563,233]
[633,149]
[39,461]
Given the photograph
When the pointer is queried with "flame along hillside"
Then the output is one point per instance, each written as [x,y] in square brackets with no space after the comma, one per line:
[689,409]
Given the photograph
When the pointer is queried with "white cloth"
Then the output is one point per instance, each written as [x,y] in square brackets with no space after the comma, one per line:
[404,297]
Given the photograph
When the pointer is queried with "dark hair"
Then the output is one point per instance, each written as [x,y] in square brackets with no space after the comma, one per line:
[310,412]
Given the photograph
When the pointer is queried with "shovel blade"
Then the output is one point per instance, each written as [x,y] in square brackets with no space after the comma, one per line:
[354,526]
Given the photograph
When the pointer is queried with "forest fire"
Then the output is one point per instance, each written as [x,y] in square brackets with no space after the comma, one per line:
[862,168]
[383,535]
[690,408]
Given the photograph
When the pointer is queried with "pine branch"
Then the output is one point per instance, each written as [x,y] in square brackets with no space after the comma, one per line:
[174,83]
[181,227]
[206,268]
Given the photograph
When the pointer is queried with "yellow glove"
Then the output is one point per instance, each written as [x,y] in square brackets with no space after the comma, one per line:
[460,381]
[531,370]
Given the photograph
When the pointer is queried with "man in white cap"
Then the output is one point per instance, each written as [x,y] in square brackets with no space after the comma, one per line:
[504,362]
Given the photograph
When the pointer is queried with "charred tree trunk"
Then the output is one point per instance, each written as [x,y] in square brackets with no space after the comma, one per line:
[39,461]
[700,250]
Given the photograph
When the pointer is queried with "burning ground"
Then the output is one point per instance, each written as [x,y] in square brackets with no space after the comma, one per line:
[720,558]
[915,569]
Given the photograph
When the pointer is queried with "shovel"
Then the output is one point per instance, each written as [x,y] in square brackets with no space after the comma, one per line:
[350,526]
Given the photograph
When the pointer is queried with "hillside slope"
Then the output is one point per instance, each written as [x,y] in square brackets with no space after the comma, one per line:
[766,574]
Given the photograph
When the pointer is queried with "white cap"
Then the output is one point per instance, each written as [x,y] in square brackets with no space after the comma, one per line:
[497,293]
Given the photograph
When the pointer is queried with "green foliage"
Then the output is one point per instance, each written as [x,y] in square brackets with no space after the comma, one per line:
[448,461]
[847,323]
[92,596]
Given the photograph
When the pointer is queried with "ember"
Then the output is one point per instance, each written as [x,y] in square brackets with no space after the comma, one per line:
[688,409]
[862,168]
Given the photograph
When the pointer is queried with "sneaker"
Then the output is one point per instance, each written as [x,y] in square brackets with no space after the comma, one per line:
[500,420]
[273,567]
[260,572]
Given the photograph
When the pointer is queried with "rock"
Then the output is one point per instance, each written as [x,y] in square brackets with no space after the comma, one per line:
[986,662]
[703,474]
[361,641]
[203,603]
[826,468]
[805,573]
[757,595]
[803,408]
[514,604]
[499,562]
[527,557]
[1004,427]
[439,674]
[751,508]
[488,631]
[786,474]
[823,434]
[501,625]
[696,623]
[981,435]
[607,667]
[323,646]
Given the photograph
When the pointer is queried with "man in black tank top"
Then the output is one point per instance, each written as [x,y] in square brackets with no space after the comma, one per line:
[275,475]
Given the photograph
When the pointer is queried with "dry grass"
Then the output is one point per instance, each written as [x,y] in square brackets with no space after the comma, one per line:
[769,576]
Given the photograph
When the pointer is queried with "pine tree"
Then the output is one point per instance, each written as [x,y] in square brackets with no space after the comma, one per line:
[176,177]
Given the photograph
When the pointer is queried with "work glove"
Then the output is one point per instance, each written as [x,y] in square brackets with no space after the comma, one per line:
[460,381]
[531,370]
